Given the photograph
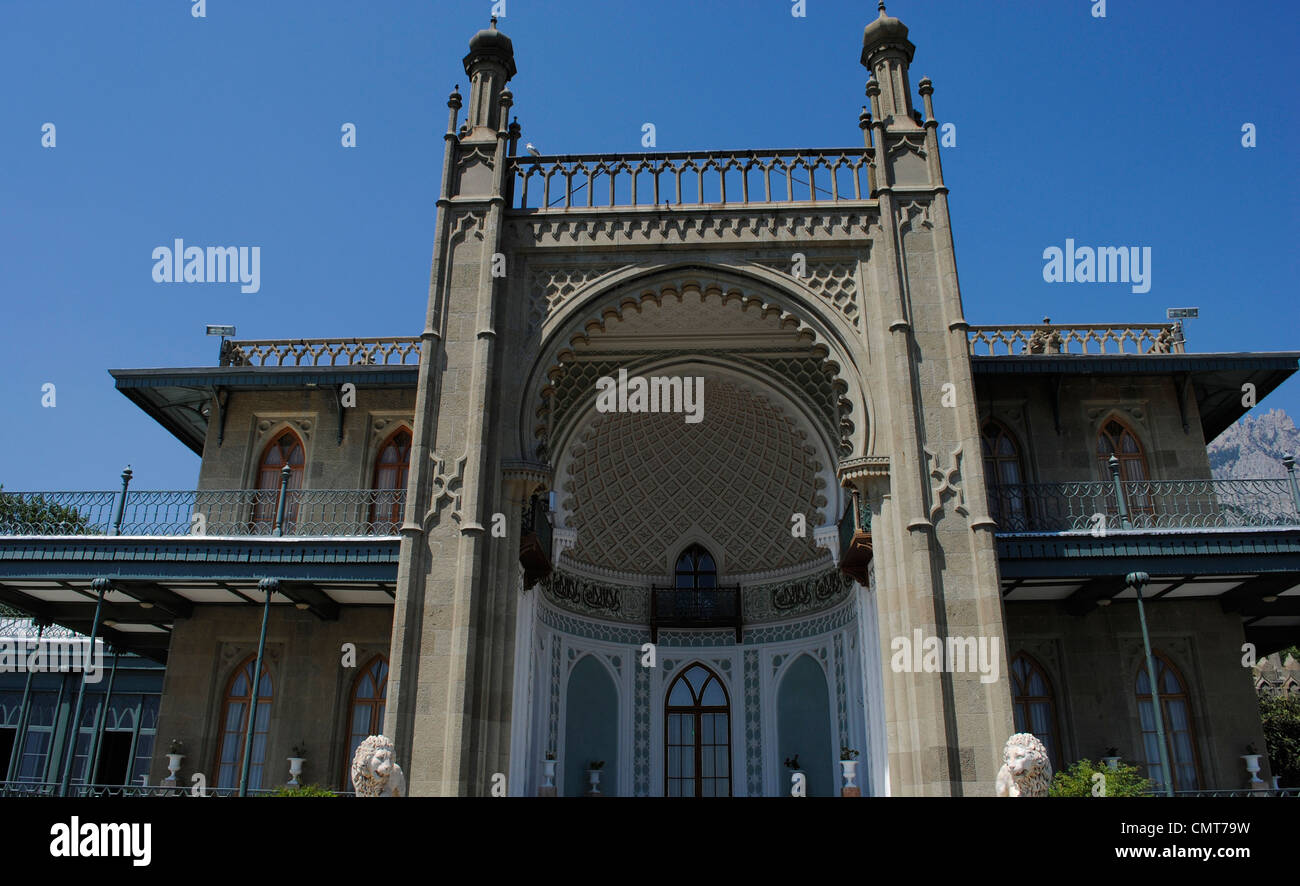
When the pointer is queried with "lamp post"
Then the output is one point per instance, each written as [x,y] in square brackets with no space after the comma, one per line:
[1136,580]
[270,586]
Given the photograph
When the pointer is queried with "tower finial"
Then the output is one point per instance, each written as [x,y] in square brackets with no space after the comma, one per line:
[493,20]
[881,6]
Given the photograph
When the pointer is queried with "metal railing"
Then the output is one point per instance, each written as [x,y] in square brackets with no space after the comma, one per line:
[51,789]
[321,352]
[695,608]
[1239,792]
[691,178]
[217,512]
[1077,338]
[854,520]
[1150,504]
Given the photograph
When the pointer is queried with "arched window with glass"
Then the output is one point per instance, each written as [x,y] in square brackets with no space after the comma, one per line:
[1034,703]
[697,735]
[696,568]
[1180,736]
[1117,439]
[392,467]
[1004,473]
[234,725]
[366,716]
[285,448]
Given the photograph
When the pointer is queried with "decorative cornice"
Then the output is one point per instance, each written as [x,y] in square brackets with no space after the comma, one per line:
[863,467]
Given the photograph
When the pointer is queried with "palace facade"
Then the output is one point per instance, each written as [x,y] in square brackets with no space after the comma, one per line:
[446,538]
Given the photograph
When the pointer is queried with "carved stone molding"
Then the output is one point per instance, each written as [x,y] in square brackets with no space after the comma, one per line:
[669,226]
[466,224]
[445,486]
[834,281]
[949,482]
[914,215]
[550,286]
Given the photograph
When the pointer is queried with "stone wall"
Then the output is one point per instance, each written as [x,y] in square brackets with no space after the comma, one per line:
[1093,663]
[255,418]
[1147,404]
[311,689]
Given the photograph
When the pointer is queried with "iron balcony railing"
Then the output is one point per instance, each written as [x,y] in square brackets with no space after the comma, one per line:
[1150,504]
[691,178]
[854,520]
[218,512]
[51,789]
[695,608]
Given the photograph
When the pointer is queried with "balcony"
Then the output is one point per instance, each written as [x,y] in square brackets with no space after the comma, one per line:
[535,542]
[695,608]
[207,512]
[394,350]
[855,540]
[691,178]
[1077,338]
[1094,506]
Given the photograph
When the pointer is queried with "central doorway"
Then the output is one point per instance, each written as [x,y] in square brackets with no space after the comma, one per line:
[697,739]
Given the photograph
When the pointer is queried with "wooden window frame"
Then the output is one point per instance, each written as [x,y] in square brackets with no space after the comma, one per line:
[263,508]
[1186,697]
[395,514]
[226,699]
[371,703]
[1019,696]
[993,477]
[698,710]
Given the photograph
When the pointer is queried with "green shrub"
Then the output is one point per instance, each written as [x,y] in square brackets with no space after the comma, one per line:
[1077,781]
[307,790]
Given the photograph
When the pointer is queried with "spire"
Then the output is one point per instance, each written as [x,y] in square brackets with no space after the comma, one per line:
[490,64]
[886,53]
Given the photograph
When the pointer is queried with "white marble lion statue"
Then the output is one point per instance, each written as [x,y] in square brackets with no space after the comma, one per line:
[1026,770]
[375,772]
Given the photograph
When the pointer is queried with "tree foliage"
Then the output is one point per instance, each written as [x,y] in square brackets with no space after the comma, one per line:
[1280,715]
[38,515]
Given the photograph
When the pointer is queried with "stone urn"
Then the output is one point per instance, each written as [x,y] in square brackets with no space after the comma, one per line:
[548,773]
[174,766]
[1112,763]
[1252,767]
[593,775]
[849,770]
[295,770]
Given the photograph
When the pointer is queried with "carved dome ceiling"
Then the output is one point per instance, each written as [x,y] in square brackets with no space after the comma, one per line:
[637,487]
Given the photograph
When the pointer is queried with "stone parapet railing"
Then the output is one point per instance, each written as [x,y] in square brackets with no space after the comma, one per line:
[321,352]
[691,178]
[1077,338]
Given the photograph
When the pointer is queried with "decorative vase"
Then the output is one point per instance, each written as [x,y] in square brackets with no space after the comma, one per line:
[850,773]
[173,766]
[295,770]
[1252,767]
[1112,763]
[594,775]
[548,773]
[1276,785]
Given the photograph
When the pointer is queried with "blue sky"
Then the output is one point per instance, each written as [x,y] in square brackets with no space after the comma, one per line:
[225,130]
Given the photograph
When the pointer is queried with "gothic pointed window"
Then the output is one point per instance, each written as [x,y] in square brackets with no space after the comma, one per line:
[392,467]
[366,717]
[1180,736]
[1034,703]
[284,449]
[697,735]
[234,726]
[696,568]
[1117,439]
[1005,476]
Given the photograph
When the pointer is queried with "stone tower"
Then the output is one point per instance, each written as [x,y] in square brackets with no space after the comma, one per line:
[498,350]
